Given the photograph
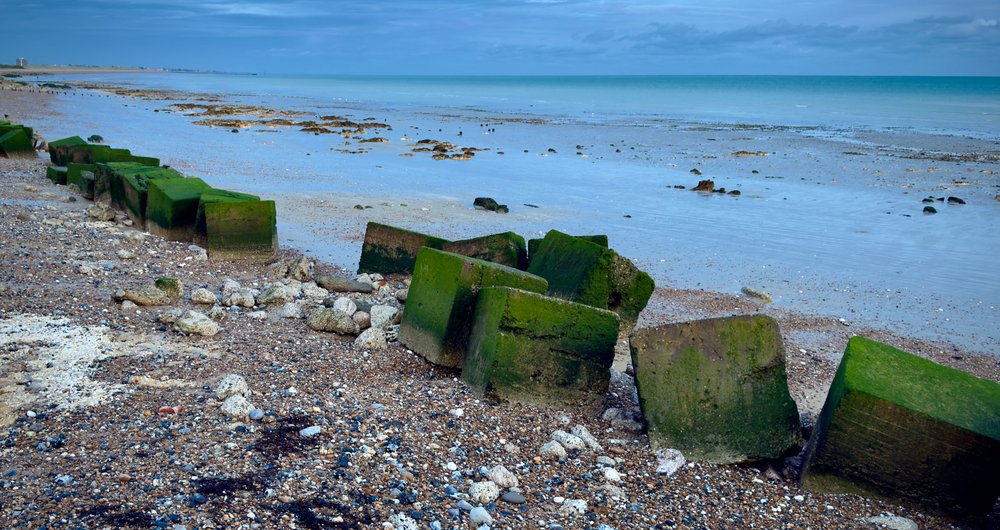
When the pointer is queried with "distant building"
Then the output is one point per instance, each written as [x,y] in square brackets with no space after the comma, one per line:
[22,62]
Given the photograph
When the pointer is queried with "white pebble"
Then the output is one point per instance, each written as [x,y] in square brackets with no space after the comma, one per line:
[480,515]
[612,475]
[310,431]
[458,413]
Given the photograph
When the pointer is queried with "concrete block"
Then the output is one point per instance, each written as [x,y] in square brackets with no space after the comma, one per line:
[59,149]
[438,315]
[214,195]
[507,249]
[172,206]
[391,250]
[716,389]
[601,240]
[56,174]
[527,347]
[901,427]
[244,230]
[135,189]
[16,144]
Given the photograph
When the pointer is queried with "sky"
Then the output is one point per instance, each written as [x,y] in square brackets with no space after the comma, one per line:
[512,37]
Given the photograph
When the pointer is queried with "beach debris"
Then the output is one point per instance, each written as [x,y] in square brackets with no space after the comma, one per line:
[757,293]
[489,204]
[716,389]
[749,153]
[704,185]
[926,433]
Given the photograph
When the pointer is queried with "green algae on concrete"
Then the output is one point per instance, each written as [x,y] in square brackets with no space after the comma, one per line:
[214,195]
[901,427]
[585,272]
[59,149]
[74,174]
[56,174]
[88,154]
[16,143]
[245,230]
[716,389]
[527,347]
[438,315]
[109,181]
[172,206]
[599,239]
[391,250]
[507,249]
[135,189]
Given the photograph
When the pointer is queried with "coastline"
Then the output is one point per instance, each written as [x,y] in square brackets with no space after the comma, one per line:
[276,355]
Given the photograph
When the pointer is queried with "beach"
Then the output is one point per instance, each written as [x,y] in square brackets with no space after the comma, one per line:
[394,443]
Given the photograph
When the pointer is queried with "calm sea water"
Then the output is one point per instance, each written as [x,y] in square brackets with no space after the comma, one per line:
[829,222]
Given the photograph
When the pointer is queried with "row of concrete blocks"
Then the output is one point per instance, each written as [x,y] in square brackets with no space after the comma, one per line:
[230,225]
[894,425]
[16,140]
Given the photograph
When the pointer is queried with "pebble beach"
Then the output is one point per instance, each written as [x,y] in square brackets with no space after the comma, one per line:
[111,417]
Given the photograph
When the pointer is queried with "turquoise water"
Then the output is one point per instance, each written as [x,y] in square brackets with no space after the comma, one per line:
[829,222]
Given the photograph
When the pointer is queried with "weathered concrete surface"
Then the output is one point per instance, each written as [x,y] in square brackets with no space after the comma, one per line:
[527,347]
[507,249]
[391,250]
[898,426]
[438,315]
[172,206]
[716,389]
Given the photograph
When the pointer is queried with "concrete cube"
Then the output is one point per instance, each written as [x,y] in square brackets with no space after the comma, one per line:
[439,308]
[243,230]
[172,206]
[507,249]
[527,347]
[716,389]
[59,149]
[391,250]
[56,174]
[901,427]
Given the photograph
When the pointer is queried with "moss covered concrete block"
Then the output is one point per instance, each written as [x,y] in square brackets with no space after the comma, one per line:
[56,174]
[507,249]
[16,143]
[601,240]
[585,272]
[135,189]
[244,230]
[59,149]
[716,389]
[527,347]
[439,308]
[897,426]
[108,187]
[88,154]
[172,206]
[210,196]
[391,250]
[74,174]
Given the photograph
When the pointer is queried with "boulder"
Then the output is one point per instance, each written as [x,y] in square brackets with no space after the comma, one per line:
[527,347]
[716,389]
[507,249]
[371,339]
[489,204]
[203,296]
[585,272]
[382,315]
[332,320]
[439,310]
[276,294]
[172,205]
[337,284]
[389,250]
[195,323]
[901,427]
[144,296]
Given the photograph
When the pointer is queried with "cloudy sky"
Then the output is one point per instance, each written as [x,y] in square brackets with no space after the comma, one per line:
[863,37]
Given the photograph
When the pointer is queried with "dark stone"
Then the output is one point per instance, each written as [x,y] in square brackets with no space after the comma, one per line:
[930,210]
[704,185]
[955,200]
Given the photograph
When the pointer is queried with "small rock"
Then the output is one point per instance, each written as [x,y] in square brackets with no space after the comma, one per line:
[236,406]
[704,185]
[402,294]
[502,477]
[552,450]
[301,270]
[172,286]
[256,414]
[612,475]
[230,286]
[930,210]
[757,293]
[574,506]
[668,461]
[345,304]
[458,413]
[64,480]
[513,497]
[383,315]
[484,492]
[955,200]
[144,296]
[606,461]
[582,433]
[893,522]
[464,505]
[126,254]
[363,319]
[203,296]
[241,297]
[193,322]
[310,431]
[332,320]
[401,521]
[343,285]
[232,385]
[371,339]
[170,316]
[101,212]
[290,310]
[276,294]
[569,441]
[479,515]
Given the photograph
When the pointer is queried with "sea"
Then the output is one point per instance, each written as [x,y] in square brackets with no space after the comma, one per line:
[832,174]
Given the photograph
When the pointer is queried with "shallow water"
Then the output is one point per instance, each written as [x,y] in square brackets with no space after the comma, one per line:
[828,222]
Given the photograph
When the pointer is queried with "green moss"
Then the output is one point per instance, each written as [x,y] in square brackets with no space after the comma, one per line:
[172,206]
[528,347]
[240,229]
[171,286]
[56,174]
[59,149]
[135,183]
[211,196]
[716,389]
[576,269]
[119,155]
[71,140]
[16,143]
[437,318]
[507,249]
[391,250]
[74,174]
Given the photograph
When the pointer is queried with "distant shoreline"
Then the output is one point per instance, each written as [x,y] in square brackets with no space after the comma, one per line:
[70,70]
